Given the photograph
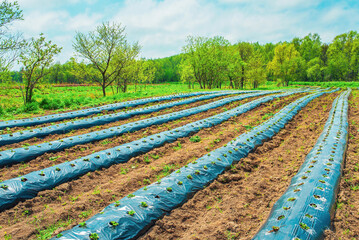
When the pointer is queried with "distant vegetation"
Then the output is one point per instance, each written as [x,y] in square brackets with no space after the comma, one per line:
[105,58]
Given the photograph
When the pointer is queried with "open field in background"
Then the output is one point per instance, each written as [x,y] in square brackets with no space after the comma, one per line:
[52,99]
[234,206]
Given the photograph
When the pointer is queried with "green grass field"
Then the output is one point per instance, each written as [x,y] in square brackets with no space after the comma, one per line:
[49,99]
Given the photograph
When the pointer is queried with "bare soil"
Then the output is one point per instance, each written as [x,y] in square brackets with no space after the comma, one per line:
[236,204]
[95,128]
[80,199]
[49,159]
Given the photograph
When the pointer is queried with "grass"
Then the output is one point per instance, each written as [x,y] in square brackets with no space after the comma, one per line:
[328,84]
[56,99]
[47,232]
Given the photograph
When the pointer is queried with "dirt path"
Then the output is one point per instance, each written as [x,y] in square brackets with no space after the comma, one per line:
[346,220]
[78,200]
[236,204]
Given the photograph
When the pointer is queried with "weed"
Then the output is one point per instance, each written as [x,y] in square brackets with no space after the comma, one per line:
[85,214]
[178,147]
[146,159]
[195,139]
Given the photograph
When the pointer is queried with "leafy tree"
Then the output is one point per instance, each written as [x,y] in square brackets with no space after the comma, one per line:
[245,51]
[285,62]
[10,43]
[256,73]
[36,57]
[186,73]
[107,50]
[207,59]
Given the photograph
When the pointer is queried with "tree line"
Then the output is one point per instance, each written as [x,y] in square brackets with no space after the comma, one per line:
[107,58]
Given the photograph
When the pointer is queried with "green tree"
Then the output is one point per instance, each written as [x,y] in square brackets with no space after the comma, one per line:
[36,57]
[285,62]
[186,73]
[343,57]
[107,50]
[256,72]
[208,59]
[245,51]
[10,43]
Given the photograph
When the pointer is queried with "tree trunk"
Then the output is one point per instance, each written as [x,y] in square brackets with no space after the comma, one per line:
[231,83]
[104,90]
[242,78]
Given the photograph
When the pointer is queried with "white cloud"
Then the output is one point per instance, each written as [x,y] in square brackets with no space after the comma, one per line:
[161,26]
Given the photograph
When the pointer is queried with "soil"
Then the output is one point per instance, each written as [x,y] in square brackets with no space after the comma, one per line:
[71,203]
[18,129]
[53,137]
[346,220]
[78,151]
[236,204]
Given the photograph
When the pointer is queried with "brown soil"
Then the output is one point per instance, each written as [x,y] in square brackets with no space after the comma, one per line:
[80,199]
[105,126]
[236,204]
[346,220]
[86,149]
[18,129]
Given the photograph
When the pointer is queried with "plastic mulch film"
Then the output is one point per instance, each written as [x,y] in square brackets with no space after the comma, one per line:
[305,209]
[133,214]
[97,120]
[91,111]
[27,153]
[29,185]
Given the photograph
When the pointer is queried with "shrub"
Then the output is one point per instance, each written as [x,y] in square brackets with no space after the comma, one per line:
[31,107]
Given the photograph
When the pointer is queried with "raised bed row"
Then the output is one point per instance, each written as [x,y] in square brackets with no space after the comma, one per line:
[96,121]
[305,209]
[91,111]
[18,155]
[29,185]
[133,214]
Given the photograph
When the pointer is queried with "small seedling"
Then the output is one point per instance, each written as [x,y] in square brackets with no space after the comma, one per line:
[82,224]
[274,229]
[117,203]
[179,182]
[94,236]
[42,173]
[144,204]
[114,224]
[291,199]
[131,195]
[3,186]
[169,189]
[189,177]
[131,213]
[304,226]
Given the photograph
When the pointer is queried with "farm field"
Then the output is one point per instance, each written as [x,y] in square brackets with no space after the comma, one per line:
[232,201]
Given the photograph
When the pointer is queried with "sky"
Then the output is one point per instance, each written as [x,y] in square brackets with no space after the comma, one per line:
[162,26]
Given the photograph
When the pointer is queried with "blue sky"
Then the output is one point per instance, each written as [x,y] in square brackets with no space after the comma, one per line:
[161,26]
